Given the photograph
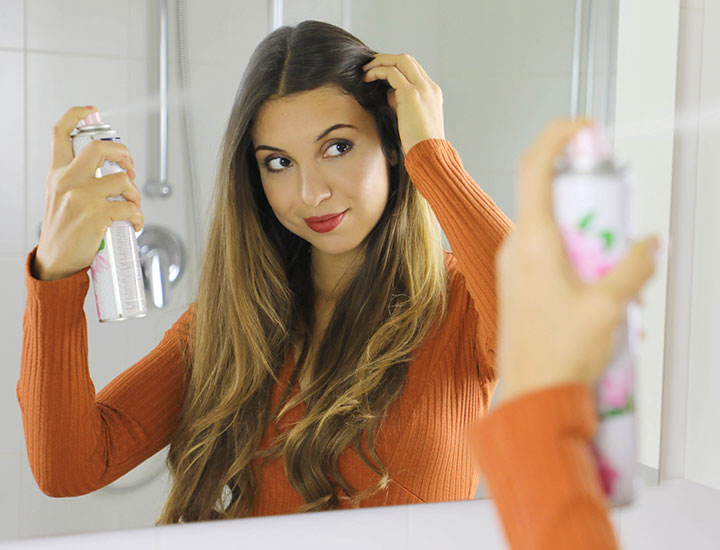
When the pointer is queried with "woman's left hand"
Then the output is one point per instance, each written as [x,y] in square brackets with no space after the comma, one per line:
[416,99]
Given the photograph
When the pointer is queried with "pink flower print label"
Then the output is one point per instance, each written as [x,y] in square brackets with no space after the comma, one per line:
[590,251]
[606,471]
[616,388]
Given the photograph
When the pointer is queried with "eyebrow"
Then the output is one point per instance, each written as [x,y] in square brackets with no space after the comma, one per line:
[326,132]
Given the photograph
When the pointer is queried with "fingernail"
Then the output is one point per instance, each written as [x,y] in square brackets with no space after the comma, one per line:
[90,107]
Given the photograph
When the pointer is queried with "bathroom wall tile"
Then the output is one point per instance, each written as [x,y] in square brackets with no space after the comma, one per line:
[12,141]
[224,31]
[11,24]
[211,97]
[143,120]
[405,27]
[143,140]
[9,496]
[330,11]
[492,120]
[498,38]
[74,80]
[143,28]
[91,27]
[13,305]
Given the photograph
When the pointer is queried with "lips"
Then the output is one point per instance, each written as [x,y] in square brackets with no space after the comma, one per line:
[322,218]
[323,224]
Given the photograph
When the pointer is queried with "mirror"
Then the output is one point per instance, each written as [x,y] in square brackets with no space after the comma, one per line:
[505,70]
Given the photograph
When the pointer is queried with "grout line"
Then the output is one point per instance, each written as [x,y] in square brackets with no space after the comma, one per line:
[25,128]
[75,54]
[22,456]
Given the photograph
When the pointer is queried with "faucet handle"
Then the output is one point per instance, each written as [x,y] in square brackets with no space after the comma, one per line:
[155,275]
[161,257]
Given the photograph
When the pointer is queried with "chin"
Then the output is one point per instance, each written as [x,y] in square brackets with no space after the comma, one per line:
[334,249]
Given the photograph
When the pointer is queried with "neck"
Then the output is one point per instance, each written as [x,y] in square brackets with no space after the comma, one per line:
[330,273]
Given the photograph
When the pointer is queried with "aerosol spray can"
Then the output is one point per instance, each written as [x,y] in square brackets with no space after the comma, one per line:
[116,270]
[591,195]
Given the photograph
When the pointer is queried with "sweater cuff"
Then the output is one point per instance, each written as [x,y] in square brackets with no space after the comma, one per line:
[535,456]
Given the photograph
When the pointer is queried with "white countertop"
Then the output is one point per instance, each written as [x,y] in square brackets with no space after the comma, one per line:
[675,515]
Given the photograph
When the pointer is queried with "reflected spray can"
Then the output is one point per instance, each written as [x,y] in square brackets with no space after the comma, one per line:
[116,270]
[591,197]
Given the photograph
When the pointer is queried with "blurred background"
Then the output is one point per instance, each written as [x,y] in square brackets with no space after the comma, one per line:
[505,68]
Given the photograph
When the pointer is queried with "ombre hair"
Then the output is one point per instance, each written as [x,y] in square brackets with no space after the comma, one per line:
[255,298]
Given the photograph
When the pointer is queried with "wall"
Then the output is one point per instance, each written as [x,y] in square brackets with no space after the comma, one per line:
[51,58]
[690,71]
[702,438]
[504,71]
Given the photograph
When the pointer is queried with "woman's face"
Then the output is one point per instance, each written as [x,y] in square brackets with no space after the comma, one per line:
[319,153]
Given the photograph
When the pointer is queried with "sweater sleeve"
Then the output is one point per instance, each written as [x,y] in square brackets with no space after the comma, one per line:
[535,455]
[473,224]
[78,441]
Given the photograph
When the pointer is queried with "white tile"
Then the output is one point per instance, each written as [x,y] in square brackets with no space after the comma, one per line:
[11,24]
[500,38]
[12,303]
[211,102]
[9,496]
[142,138]
[329,11]
[493,132]
[12,140]
[142,115]
[224,31]
[91,27]
[54,84]
[143,28]
[403,28]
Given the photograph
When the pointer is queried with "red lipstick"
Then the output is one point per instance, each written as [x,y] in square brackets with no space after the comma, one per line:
[323,224]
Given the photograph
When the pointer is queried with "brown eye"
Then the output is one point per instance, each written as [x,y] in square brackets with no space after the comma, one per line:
[341,146]
[283,163]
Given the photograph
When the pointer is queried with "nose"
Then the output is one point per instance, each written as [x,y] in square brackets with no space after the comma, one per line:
[313,187]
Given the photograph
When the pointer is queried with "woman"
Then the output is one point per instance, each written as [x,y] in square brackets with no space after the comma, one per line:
[316,369]
[322,365]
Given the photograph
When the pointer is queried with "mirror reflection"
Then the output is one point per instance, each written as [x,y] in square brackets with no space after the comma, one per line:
[315,379]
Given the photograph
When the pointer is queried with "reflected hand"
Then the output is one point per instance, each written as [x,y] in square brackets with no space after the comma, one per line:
[416,99]
[553,327]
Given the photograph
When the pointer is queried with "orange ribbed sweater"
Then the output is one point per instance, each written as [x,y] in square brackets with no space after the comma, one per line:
[533,450]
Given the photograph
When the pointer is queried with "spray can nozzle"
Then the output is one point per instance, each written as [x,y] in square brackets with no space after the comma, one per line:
[589,142]
[93,119]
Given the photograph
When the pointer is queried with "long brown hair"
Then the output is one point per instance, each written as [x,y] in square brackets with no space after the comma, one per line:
[255,297]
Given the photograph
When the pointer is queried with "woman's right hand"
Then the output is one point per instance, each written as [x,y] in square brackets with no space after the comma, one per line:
[77,212]
[554,328]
